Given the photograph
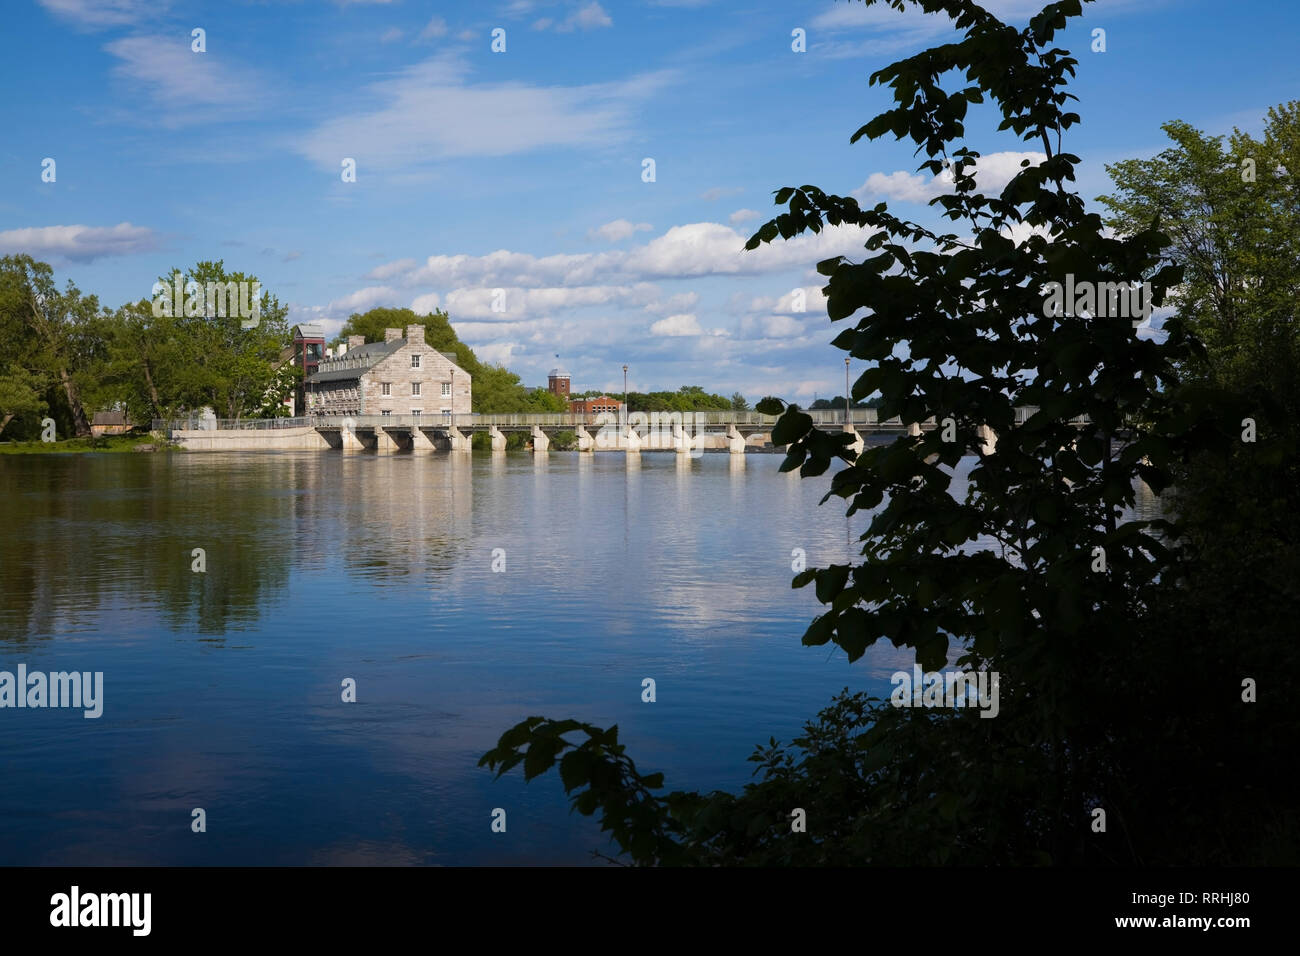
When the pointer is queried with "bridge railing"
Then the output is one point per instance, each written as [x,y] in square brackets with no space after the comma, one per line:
[859,417]
[225,424]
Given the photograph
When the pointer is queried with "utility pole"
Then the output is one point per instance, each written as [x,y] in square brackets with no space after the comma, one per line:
[846,390]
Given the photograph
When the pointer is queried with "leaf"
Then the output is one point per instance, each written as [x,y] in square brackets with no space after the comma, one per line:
[790,427]
[540,757]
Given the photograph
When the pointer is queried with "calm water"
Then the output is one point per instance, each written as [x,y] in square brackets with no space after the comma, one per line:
[222,689]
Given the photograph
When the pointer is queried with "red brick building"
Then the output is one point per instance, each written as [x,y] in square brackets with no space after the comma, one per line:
[595,406]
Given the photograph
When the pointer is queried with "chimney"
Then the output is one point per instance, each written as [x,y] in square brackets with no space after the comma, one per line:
[415,335]
[392,335]
[356,341]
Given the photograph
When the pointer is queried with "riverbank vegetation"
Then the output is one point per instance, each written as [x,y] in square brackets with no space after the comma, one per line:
[142,441]
[1141,664]
[68,357]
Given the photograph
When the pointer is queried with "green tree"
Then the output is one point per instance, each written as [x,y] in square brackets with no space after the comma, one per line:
[739,403]
[1234,219]
[226,366]
[148,364]
[20,394]
[55,322]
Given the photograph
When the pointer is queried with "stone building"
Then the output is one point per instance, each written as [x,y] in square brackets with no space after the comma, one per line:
[398,376]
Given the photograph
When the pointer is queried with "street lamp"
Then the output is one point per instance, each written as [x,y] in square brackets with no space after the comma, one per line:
[624,394]
[847,416]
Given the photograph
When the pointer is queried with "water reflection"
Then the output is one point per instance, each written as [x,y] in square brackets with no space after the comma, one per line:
[222,689]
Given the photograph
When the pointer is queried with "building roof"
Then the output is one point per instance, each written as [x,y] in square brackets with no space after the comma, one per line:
[309,330]
[109,418]
[356,362]
[558,373]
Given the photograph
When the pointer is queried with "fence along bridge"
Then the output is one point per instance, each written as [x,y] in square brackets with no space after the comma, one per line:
[683,432]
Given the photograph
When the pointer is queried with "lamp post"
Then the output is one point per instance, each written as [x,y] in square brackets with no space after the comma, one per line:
[846,390]
[624,394]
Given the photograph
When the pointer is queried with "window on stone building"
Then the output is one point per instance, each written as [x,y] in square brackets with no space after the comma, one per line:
[446,389]
[387,388]
[415,388]
[415,361]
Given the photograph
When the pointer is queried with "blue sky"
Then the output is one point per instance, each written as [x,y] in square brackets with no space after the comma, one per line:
[522,170]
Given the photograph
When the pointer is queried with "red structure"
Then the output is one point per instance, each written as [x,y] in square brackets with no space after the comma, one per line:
[587,407]
[308,350]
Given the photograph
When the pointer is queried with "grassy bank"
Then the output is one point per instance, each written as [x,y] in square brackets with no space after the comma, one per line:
[108,443]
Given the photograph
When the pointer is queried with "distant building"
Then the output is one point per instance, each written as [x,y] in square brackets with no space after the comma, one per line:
[557,383]
[109,423]
[398,376]
[595,406]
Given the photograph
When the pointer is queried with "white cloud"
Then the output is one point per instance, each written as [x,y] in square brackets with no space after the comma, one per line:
[363,300]
[436,27]
[392,269]
[79,243]
[97,14]
[390,35]
[430,111]
[771,326]
[717,192]
[591,16]
[687,251]
[854,16]
[588,16]
[677,325]
[679,302]
[992,173]
[618,230]
[477,302]
[189,88]
[496,353]
[888,30]
[744,215]
[424,304]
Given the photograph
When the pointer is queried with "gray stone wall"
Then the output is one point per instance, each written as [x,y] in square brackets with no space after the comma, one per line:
[366,395]
[433,374]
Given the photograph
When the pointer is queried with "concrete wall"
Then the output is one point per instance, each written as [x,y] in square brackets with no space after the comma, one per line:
[267,439]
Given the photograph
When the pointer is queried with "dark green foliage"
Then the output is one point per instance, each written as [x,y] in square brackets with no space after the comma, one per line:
[1111,696]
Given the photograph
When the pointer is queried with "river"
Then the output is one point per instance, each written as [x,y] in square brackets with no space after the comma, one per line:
[222,687]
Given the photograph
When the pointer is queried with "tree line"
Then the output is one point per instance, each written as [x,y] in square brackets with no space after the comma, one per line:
[67,356]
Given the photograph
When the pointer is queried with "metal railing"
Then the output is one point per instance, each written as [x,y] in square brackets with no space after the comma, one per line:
[225,424]
[864,417]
